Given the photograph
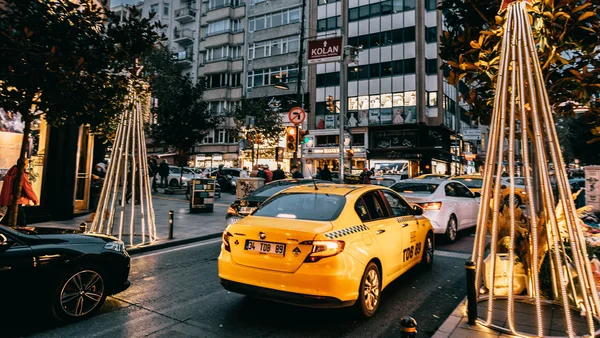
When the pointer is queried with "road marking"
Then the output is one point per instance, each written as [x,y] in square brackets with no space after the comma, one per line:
[212,241]
[452,254]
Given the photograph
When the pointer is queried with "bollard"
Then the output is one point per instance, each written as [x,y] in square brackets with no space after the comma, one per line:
[171,224]
[83,227]
[471,293]
[409,327]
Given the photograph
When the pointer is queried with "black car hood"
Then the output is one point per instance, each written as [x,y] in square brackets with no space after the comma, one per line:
[62,235]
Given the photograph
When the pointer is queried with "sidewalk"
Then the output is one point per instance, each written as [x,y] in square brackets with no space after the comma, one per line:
[187,227]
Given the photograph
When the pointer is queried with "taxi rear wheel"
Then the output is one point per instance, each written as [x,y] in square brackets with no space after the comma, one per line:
[427,258]
[370,291]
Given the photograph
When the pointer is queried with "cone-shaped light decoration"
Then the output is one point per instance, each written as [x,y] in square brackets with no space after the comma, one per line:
[537,258]
[126,198]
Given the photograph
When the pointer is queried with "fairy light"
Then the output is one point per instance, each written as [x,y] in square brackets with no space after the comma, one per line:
[529,103]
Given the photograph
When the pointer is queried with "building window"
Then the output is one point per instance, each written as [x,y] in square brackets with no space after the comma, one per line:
[226,25]
[166,9]
[215,4]
[223,80]
[431,66]
[431,34]
[271,76]
[209,137]
[274,19]
[154,8]
[223,53]
[409,5]
[431,5]
[329,24]
[274,47]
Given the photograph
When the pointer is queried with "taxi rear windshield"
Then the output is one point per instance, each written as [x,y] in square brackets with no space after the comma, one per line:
[471,182]
[425,188]
[303,206]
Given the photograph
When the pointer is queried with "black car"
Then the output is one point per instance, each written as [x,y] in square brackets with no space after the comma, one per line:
[241,208]
[60,272]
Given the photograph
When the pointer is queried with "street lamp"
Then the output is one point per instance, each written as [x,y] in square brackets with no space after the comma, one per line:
[281,85]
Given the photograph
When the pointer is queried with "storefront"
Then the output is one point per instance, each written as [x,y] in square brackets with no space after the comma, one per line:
[410,149]
[319,157]
[266,156]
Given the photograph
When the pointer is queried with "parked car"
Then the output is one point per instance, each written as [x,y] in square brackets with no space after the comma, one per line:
[175,175]
[426,176]
[243,207]
[331,247]
[473,182]
[59,271]
[449,205]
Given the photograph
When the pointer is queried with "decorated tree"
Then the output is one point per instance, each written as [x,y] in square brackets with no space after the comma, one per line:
[69,61]
[566,33]
[183,117]
[266,119]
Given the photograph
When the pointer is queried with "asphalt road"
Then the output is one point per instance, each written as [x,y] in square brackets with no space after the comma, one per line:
[176,293]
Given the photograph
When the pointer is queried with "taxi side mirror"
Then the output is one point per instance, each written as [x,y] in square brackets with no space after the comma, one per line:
[417,210]
[477,194]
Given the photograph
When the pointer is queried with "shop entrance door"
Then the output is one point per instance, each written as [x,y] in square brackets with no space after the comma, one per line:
[85,148]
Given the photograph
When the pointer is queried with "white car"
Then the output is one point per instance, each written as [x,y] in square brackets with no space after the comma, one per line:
[449,205]
[175,175]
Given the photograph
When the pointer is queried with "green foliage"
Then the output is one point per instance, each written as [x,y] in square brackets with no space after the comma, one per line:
[567,40]
[183,118]
[267,118]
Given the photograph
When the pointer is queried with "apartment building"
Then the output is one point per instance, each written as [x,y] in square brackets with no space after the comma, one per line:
[207,39]
[402,114]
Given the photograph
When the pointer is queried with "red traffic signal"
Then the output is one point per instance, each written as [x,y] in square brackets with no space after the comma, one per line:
[290,138]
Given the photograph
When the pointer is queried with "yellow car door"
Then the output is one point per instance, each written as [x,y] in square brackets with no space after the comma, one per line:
[411,237]
[386,230]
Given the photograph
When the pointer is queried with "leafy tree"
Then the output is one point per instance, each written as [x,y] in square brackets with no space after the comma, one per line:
[573,132]
[566,33]
[183,118]
[267,118]
[67,60]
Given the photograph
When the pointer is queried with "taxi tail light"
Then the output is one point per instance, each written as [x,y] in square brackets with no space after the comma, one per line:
[322,249]
[225,238]
[431,205]
[231,211]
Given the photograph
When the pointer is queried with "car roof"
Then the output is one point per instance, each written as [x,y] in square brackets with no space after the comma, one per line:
[424,180]
[478,177]
[332,189]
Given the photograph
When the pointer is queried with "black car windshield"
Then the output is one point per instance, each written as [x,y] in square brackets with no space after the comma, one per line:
[470,182]
[269,190]
[427,188]
[303,206]
[386,182]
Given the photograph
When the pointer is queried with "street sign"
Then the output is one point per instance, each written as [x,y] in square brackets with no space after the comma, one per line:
[325,50]
[471,134]
[297,115]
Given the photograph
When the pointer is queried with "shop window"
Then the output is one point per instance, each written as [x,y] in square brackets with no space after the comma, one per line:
[358,140]
[432,99]
[327,140]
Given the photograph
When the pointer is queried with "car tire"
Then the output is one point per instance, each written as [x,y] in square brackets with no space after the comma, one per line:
[452,229]
[369,293]
[173,183]
[428,250]
[79,294]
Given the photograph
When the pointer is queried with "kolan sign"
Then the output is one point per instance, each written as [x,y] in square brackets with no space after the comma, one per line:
[325,50]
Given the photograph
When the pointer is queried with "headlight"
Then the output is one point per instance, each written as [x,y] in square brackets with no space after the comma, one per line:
[232,220]
[117,246]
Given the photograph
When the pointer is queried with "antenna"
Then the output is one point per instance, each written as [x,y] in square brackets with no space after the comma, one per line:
[313,178]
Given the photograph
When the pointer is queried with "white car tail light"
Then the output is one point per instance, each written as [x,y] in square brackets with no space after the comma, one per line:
[431,205]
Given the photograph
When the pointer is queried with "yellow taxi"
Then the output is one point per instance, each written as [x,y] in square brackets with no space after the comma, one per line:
[475,184]
[325,245]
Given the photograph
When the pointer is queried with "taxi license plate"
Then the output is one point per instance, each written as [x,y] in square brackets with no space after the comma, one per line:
[265,247]
[246,210]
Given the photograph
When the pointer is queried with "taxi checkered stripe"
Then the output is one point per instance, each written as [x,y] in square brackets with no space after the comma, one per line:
[346,231]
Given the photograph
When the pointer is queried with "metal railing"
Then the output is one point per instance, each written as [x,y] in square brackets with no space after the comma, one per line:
[185,12]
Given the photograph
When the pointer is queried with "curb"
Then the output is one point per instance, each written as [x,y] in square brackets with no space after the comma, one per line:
[163,244]
[451,323]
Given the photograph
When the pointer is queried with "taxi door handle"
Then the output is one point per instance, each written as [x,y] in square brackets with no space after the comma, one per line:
[404,225]
[379,232]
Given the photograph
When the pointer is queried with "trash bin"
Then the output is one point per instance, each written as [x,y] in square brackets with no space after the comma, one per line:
[202,195]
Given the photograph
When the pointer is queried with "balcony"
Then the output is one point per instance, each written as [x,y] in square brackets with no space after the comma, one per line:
[184,58]
[185,15]
[183,36]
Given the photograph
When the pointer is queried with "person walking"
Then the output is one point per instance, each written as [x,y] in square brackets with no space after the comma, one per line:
[244,173]
[269,174]
[152,172]
[365,176]
[325,174]
[28,196]
[261,173]
[296,173]
[163,171]
[278,174]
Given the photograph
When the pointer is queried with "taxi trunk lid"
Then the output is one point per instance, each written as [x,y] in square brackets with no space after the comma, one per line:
[273,243]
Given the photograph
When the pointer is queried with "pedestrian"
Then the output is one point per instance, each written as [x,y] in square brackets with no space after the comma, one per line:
[244,173]
[100,170]
[325,174]
[318,173]
[152,172]
[296,173]
[163,171]
[268,173]
[261,173]
[28,196]
[278,174]
[365,176]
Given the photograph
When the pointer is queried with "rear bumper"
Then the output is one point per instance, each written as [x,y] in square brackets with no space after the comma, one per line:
[438,219]
[285,297]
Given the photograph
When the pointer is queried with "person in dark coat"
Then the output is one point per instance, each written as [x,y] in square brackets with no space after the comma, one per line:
[365,176]
[278,174]
[325,174]
[152,172]
[296,173]
[163,171]
[261,173]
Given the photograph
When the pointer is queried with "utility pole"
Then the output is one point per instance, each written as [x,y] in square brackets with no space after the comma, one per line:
[299,100]
[343,84]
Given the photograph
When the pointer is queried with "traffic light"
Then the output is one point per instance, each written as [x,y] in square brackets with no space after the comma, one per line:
[330,104]
[279,154]
[290,138]
[350,153]
[250,140]
[302,135]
